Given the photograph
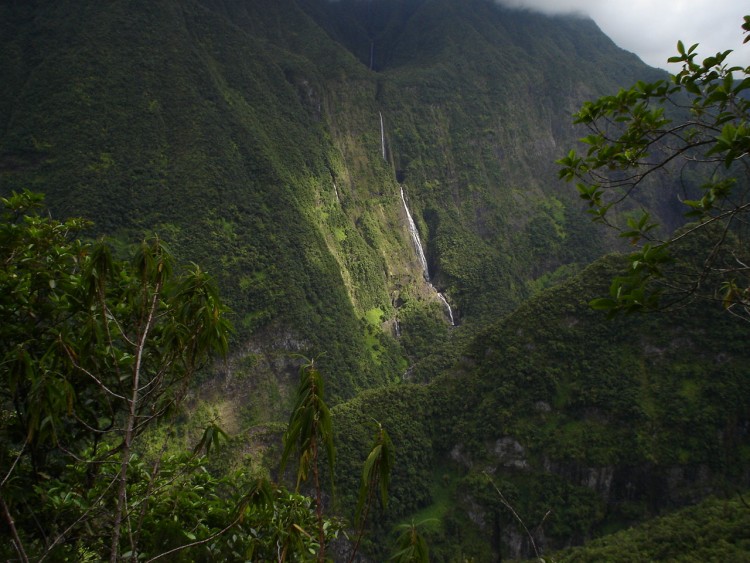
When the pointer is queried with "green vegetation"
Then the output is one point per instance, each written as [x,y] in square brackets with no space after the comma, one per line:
[245,136]
[309,431]
[376,475]
[713,530]
[600,423]
[97,355]
[411,546]
[95,351]
[226,157]
[635,135]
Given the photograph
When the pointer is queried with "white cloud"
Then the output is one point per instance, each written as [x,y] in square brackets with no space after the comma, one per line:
[550,7]
[651,28]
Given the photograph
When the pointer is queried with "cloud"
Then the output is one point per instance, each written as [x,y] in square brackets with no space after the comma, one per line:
[651,28]
[550,7]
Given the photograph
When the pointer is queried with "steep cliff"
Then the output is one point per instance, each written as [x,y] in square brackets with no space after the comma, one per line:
[248,135]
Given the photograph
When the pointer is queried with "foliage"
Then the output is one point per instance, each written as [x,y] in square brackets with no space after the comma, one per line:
[602,422]
[248,138]
[376,472]
[713,530]
[310,428]
[411,545]
[258,155]
[405,411]
[234,167]
[695,127]
[575,410]
[376,476]
[185,513]
[423,328]
[309,424]
[94,352]
[520,521]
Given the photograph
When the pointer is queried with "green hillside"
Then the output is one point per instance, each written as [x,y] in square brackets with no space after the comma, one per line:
[171,119]
[247,135]
[714,530]
[600,422]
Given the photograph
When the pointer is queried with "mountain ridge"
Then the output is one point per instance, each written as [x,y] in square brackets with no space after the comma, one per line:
[217,123]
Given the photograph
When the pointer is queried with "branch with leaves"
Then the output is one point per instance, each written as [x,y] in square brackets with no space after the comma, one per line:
[695,125]
[376,478]
[310,428]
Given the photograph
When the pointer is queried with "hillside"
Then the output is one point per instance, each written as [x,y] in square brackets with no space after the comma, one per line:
[301,151]
[711,531]
[248,136]
[586,425]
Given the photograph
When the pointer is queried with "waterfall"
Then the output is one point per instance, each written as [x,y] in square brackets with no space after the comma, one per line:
[447,307]
[415,238]
[422,259]
[336,191]
[382,138]
[416,241]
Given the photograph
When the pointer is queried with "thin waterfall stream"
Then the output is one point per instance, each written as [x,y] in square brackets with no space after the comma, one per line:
[423,259]
[415,238]
[382,136]
[414,233]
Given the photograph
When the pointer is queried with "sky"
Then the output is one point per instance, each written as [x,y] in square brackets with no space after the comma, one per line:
[651,28]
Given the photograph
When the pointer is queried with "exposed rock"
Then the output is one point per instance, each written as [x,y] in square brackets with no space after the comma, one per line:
[510,453]
[542,406]
[459,456]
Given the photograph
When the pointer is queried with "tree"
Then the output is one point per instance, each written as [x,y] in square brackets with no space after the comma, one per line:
[93,352]
[310,427]
[411,545]
[376,476]
[695,125]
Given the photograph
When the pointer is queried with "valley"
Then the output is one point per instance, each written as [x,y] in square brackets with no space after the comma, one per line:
[374,186]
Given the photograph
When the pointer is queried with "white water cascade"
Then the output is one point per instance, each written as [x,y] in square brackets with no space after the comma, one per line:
[415,238]
[422,259]
[382,136]
[446,305]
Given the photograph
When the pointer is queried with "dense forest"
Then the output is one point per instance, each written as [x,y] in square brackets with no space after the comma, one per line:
[302,279]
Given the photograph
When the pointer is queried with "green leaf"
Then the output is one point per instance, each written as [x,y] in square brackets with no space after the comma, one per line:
[603,304]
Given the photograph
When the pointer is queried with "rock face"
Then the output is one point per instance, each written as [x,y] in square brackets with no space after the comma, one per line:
[510,453]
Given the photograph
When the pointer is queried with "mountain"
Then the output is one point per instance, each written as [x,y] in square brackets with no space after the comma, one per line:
[299,150]
[697,532]
[248,136]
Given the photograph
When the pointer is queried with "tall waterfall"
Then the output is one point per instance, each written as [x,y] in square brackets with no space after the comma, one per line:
[422,259]
[415,238]
[382,138]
